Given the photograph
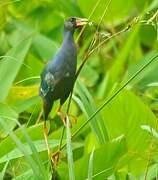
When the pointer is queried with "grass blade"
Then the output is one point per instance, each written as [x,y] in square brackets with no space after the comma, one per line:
[115,94]
[5,109]
[87,105]
[33,148]
[8,73]
[90,169]
[117,68]
[39,144]
[102,172]
[4,170]
[34,164]
[69,150]
[150,130]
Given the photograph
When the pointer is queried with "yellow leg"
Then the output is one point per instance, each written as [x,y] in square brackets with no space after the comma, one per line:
[73,118]
[54,157]
[45,132]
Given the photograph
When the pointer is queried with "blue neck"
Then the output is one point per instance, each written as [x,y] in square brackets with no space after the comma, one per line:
[67,38]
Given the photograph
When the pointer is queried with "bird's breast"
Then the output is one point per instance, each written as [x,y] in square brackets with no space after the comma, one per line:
[69,53]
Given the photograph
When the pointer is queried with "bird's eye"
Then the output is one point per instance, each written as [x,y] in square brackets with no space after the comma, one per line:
[71,19]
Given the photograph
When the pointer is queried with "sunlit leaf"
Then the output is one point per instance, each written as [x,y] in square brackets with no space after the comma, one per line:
[8,73]
[6,113]
[113,150]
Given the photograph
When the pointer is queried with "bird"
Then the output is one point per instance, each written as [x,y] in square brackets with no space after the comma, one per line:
[59,74]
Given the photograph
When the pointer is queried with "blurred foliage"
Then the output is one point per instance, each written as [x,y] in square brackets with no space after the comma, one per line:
[121,141]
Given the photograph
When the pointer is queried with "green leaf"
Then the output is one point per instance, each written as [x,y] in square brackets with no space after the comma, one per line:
[39,173]
[105,160]
[35,154]
[28,175]
[114,12]
[114,73]
[35,133]
[152,173]
[4,170]
[10,66]
[39,145]
[44,46]
[150,130]
[153,5]
[6,113]
[86,75]
[87,105]
[90,169]
[148,76]
[23,105]
[124,115]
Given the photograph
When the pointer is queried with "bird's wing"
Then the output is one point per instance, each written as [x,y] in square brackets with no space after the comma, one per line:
[50,79]
[47,83]
[55,72]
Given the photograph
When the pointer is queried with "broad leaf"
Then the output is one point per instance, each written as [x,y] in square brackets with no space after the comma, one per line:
[10,66]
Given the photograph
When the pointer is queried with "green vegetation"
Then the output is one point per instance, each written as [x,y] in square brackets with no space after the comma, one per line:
[115,98]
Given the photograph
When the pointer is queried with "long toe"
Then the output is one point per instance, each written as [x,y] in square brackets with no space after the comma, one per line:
[74,118]
[55,158]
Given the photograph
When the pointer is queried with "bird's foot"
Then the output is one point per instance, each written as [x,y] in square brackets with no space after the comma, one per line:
[54,158]
[51,159]
[63,117]
[74,119]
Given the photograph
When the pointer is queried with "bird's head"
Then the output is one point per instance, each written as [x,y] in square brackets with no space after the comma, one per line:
[75,22]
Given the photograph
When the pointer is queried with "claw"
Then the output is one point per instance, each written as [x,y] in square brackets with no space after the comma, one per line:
[63,117]
[55,157]
[73,118]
